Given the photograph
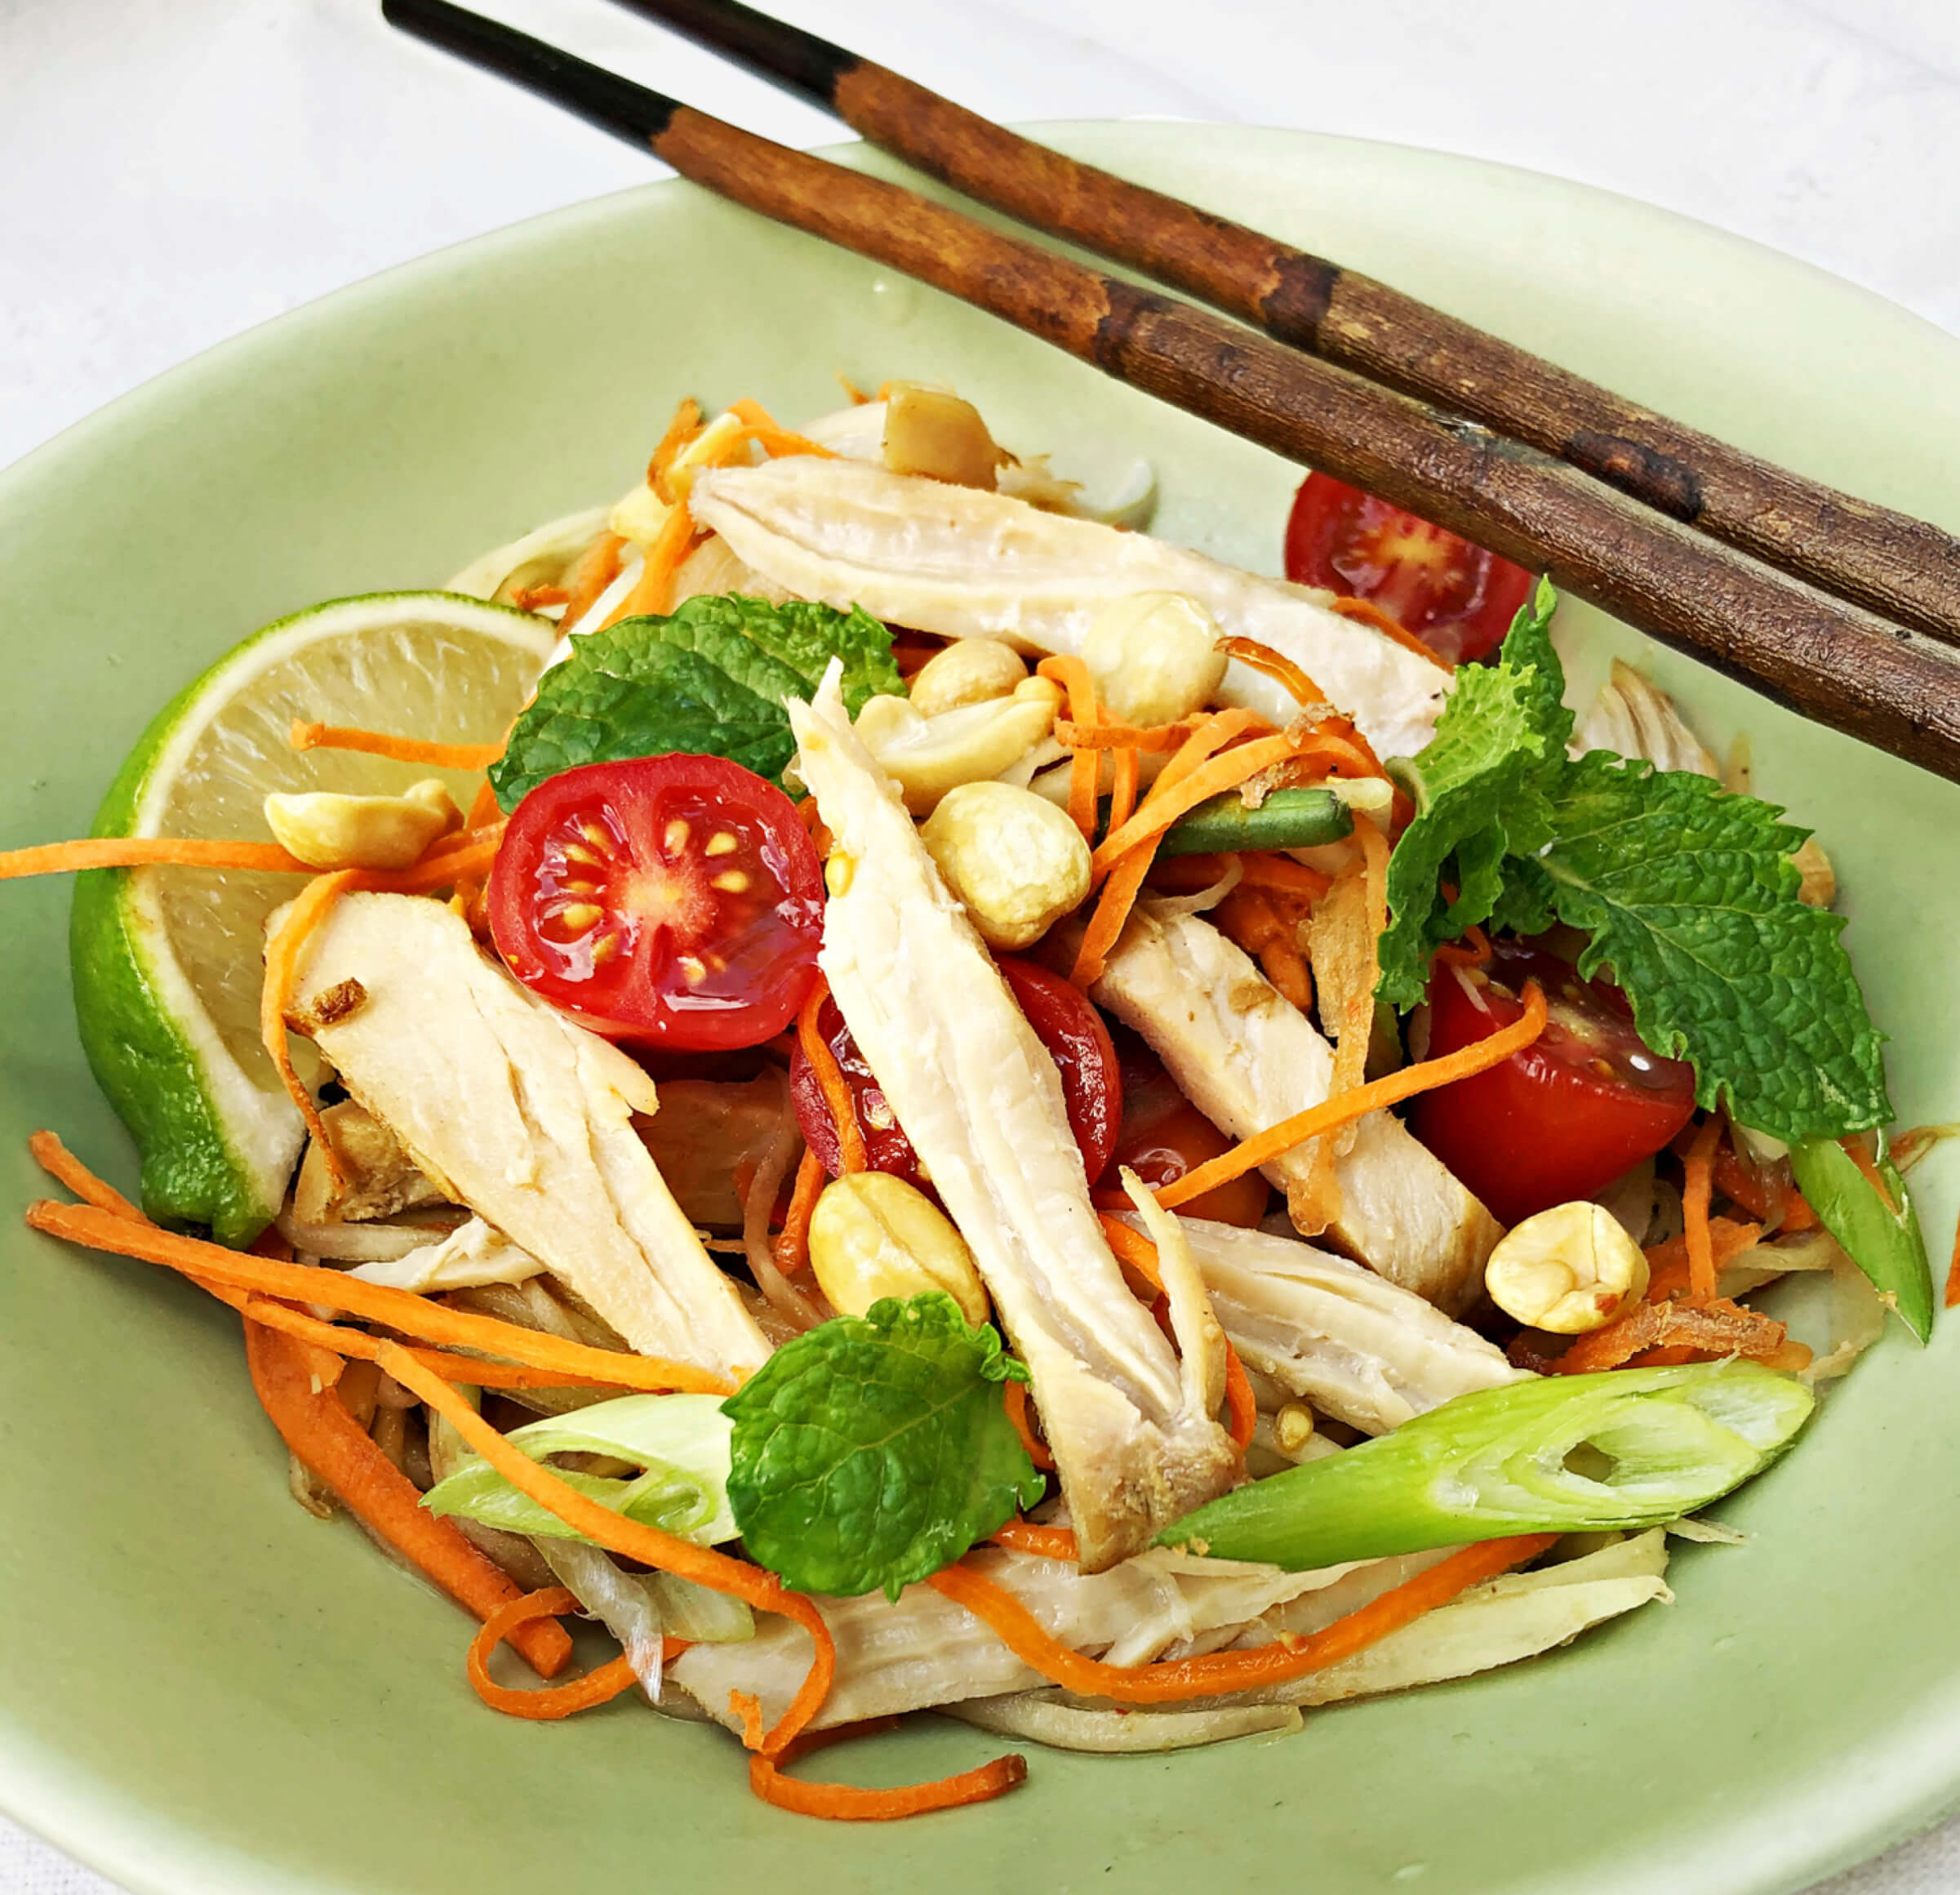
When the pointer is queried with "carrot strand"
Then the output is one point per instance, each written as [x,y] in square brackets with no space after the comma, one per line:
[851,1154]
[1046,1542]
[1218,1672]
[636,1541]
[792,1245]
[1165,805]
[848,1803]
[402,1310]
[1264,1146]
[327,737]
[326,1439]
[596,569]
[282,954]
[1085,712]
[1697,1186]
[1015,1395]
[149,851]
[1369,613]
[599,1686]
[1301,688]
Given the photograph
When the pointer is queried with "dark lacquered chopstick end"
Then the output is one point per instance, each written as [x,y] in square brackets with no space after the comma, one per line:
[632,112]
[798,61]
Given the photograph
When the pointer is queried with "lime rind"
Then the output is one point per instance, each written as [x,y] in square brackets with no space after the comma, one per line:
[218,1137]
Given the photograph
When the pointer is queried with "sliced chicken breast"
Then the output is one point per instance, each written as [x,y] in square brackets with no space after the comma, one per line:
[1131,1427]
[1248,1058]
[516,1111]
[1351,1342]
[963,564]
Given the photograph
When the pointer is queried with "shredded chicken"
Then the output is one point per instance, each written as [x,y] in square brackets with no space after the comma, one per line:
[961,562]
[1131,1427]
[1338,1336]
[516,1111]
[470,1256]
[1248,1058]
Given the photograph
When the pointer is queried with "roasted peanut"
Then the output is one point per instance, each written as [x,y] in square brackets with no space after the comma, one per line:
[873,1235]
[1017,861]
[927,756]
[970,671]
[1153,658]
[326,831]
[1568,1270]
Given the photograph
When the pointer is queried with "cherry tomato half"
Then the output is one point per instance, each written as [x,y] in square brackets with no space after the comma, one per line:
[1063,1020]
[1164,1136]
[1586,1102]
[676,900]
[1457,598]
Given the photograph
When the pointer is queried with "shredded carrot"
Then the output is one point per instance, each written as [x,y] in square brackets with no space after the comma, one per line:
[1123,786]
[1670,1273]
[1285,968]
[686,424]
[792,1245]
[851,1154]
[1165,803]
[596,1687]
[1085,765]
[1854,1150]
[1215,1672]
[749,1707]
[596,569]
[1046,1542]
[146,851]
[1952,1273]
[1087,735]
[1301,688]
[1719,1327]
[635,1541]
[1264,1146]
[653,591]
[283,952]
[1132,1247]
[59,1163]
[1241,1410]
[1015,1395]
[535,597]
[1369,613]
[1126,880]
[337,1450]
[486,809]
[1257,869]
[1474,950]
[848,1803]
[1697,1186]
[402,1310]
[329,737]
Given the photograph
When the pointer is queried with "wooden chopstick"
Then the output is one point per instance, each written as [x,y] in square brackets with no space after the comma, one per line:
[1905,568]
[1889,685]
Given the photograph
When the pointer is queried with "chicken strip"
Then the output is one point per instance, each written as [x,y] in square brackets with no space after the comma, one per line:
[964,563]
[1248,1058]
[1338,1336]
[516,1111]
[1131,1428]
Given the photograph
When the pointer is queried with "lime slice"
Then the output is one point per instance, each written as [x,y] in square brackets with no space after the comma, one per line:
[167,962]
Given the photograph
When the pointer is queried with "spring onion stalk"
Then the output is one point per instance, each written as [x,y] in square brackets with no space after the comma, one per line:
[680,1442]
[1632,1447]
[1883,1240]
[1288,818]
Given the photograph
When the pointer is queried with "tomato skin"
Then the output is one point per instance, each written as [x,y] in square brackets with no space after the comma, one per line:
[676,901]
[1164,1136]
[1064,1022]
[1456,597]
[1587,1102]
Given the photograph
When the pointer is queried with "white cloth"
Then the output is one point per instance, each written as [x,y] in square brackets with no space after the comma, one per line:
[171,175]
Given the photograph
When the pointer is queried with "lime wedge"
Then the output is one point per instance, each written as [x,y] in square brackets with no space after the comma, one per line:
[167,962]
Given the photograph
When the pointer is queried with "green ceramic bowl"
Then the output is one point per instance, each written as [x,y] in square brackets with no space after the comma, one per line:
[203,1689]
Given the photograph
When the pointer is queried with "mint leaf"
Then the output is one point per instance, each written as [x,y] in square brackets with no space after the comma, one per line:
[1475,800]
[709,679]
[871,1450]
[1690,897]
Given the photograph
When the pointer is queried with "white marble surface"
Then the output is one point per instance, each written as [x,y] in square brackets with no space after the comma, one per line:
[173,171]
